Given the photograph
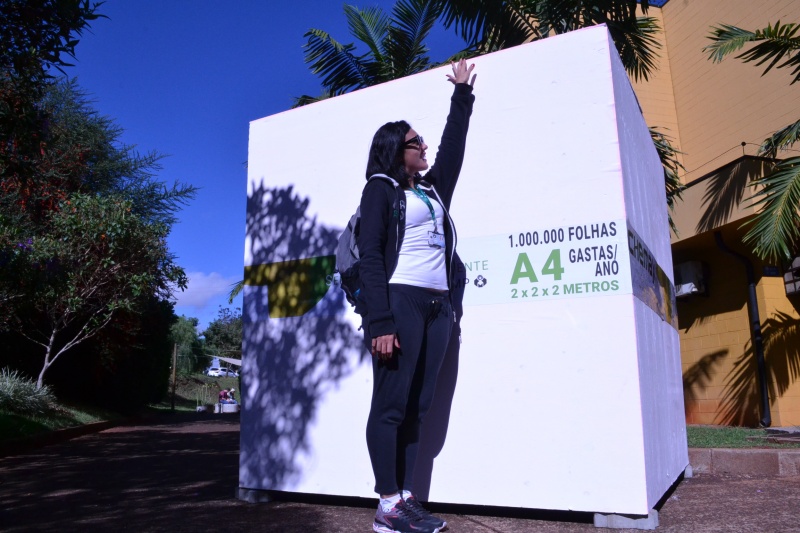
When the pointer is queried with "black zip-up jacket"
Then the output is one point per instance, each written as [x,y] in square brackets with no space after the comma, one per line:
[383,206]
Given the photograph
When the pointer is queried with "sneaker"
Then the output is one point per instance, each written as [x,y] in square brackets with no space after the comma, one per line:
[423,515]
[400,519]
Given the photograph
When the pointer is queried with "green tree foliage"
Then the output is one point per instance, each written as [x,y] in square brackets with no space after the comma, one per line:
[66,217]
[395,48]
[135,357]
[83,219]
[183,333]
[125,366]
[774,232]
[223,335]
[80,151]
[97,258]
[37,34]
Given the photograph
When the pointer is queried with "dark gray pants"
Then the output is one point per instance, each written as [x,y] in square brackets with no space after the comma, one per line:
[403,387]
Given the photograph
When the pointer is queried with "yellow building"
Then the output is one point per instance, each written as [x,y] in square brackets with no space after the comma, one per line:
[717,116]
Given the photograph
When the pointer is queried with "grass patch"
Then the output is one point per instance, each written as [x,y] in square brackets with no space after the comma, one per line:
[16,426]
[732,437]
[18,419]
[26,411]
[18,394]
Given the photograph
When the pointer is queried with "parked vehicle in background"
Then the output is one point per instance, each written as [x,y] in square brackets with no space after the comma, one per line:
[216,372]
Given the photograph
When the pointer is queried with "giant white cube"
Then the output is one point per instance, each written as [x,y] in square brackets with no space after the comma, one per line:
[566,393]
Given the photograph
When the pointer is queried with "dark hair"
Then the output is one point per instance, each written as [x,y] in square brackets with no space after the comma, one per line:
[386,155]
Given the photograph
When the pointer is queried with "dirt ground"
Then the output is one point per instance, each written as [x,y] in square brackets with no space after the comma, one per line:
[179,473]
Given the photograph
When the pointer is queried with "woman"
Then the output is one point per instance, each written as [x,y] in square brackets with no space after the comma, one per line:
[407,246]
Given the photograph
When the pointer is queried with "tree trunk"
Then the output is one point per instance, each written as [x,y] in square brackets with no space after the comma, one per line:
[47,362]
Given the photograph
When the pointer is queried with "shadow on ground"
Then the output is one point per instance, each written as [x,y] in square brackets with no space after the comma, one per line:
[179,474]
[95,482]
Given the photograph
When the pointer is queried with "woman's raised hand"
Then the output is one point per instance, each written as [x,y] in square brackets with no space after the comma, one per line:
[461,73]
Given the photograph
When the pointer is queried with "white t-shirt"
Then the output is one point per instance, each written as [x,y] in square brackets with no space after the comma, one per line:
[419,263]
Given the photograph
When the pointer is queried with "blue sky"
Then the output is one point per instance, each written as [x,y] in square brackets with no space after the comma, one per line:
[185,78]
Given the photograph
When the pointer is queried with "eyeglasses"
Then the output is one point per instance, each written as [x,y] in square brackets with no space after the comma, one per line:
[415,142]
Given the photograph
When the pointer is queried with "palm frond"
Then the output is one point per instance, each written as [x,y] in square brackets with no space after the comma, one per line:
[370,26]
[415,19]
[780,140]
[775,43]
[412,21]
[671,165]
[775,230]
[489,26]
[523,25]
[518,24]
[633,36]
[557,17]
[567,15]
[236,288]
[342,69]
[726,40]
[300,101]
[472,18]
[463,54]
[637,44]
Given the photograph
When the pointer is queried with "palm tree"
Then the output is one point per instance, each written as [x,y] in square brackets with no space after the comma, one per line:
[490,26]
[774,232]
[395,48]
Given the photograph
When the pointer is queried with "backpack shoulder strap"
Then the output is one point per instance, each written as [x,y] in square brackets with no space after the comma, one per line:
[384,177]
[398,202]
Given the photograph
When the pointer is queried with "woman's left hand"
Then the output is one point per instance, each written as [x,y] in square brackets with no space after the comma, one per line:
[461,73]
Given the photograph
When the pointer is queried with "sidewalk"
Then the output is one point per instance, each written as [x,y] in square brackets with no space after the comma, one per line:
[180,474]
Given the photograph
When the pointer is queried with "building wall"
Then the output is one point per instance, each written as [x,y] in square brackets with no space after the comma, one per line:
[709,109]
[718,363]
[717,199]
[655,95]
[781,327]
[719,106]
[715,332]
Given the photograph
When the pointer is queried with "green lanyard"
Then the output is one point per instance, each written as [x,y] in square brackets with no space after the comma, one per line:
[424,197]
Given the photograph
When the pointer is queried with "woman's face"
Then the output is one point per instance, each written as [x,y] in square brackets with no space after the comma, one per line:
[415,148]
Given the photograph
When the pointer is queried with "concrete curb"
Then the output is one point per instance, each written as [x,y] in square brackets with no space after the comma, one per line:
[772,462]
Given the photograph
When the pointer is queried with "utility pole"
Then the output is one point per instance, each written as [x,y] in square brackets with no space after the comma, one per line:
[174,372]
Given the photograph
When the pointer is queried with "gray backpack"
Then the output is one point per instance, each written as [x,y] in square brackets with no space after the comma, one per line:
[347,275]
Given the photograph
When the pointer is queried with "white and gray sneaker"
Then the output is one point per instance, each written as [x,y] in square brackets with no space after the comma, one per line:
[400,519]
[423,515]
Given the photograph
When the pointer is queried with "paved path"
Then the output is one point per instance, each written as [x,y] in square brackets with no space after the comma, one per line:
[180,474]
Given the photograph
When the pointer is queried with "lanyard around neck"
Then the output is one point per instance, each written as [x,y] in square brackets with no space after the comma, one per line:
[424,197]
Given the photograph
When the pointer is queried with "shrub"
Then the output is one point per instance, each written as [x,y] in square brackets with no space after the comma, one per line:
[203,395]
[19,394]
